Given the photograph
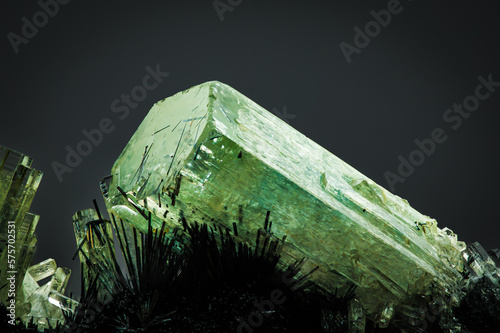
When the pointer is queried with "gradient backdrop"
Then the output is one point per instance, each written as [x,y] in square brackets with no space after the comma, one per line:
[285,55]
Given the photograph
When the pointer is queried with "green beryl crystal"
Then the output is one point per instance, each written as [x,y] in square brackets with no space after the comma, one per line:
[43,270]
[212,154]
[92,239]
[43,312]
[18,185]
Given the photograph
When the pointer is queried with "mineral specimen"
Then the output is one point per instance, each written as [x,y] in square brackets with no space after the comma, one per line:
[211,154]
[43,312]
[18,184]
[92,240]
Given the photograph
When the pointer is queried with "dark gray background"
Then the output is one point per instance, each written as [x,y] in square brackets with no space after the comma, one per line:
[278,53]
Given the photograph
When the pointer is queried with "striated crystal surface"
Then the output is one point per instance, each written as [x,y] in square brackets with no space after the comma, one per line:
[212,154]
[43,270]
[41,309]
[9,161]
[62,302]
[92,237]
[18,185]
[481,263]
[19,195]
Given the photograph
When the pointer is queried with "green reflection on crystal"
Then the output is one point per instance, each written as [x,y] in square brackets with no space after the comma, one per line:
[92,239]
[18,185]
[211,153]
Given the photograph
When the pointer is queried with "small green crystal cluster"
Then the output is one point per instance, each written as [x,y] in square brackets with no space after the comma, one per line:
[33,303]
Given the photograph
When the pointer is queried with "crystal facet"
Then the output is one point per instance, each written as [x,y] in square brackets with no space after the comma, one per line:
[18,185]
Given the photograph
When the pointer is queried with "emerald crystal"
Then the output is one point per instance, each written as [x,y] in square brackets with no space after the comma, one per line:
[92,240]
[211,154]
[18,185]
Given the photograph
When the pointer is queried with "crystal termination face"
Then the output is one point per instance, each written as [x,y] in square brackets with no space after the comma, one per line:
[212,154]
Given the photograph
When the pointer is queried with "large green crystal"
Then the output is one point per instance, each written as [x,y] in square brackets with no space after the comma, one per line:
[212,154]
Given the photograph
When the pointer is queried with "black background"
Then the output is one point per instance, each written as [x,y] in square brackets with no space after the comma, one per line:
[280,54]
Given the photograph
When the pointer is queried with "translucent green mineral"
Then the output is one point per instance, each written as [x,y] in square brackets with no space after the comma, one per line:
[18,185]
[213,155]
[92,239]
[41,310]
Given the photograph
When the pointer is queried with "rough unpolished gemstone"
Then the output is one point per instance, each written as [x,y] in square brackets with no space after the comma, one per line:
[19,195]
[212,154]
[481,263]
[28,227]
[92,237]
[18,184]
[62,302]
[9,161]
[41,308]
[43,269]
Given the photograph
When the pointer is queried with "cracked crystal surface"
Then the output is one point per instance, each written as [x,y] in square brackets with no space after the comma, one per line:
[212,154]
